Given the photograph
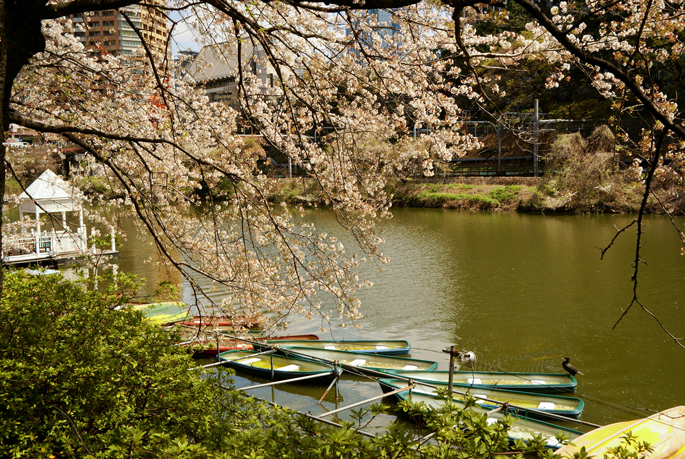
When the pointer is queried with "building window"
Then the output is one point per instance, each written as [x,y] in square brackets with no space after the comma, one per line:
[94,24]
[94,33]
[107,23]
[108,13]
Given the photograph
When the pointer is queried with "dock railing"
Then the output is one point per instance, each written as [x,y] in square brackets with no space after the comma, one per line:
[33,246]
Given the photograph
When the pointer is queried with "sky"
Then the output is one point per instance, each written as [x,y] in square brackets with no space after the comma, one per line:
[182,37]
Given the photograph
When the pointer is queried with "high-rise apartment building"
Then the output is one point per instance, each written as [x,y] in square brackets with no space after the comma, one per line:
[109,31]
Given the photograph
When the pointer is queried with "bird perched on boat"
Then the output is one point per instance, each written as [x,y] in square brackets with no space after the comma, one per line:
[570,368]
[467,358]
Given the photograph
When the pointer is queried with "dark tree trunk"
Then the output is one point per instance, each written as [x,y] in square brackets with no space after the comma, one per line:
[20,38]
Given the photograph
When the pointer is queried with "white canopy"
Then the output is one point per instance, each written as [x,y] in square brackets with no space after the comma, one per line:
[51,193]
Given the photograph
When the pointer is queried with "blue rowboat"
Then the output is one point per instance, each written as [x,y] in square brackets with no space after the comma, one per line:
[521,429]
[522,403]
[540,383]
[356,362]
[284,367]
[385,347]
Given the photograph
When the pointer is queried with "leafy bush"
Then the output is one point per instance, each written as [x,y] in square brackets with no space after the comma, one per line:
[78,377]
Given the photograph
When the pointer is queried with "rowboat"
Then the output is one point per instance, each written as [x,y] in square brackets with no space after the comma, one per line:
[522,403]
[664,431]
[540,383]
[164,312]
[386,347]
[223,323]
[521,429]
[284,367]
[204,343]
[356,362]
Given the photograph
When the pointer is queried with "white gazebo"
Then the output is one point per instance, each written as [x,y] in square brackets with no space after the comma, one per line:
[49,194]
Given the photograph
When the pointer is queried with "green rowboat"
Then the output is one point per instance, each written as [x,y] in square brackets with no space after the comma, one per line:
[522,403]
[284,367]
[522,428]
[356,362]
[385,347]
[540,383]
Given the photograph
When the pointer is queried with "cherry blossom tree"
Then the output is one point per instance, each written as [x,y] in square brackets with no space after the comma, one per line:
[340,74]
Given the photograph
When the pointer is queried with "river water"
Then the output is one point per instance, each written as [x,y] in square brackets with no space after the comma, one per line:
[522,291]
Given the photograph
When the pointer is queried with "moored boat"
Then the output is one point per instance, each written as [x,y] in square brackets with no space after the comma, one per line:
[356,362]
[284,367]
[540,383]
[203,342]
[385,347]
[164,312]
[521,403]
[224,323]
[664,431]
[521,429]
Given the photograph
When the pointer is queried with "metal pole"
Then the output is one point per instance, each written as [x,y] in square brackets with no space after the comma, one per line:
[271,359]
[452,353]
[335,381]
[499,147]
[220,362]
[363,402]
[338,372]
[536,121]
[309,415]
[451,376]
[275,383]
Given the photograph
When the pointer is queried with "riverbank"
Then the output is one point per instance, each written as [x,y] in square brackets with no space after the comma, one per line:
[521,194]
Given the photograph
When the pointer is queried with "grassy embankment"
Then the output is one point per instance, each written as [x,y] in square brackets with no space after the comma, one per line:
[523,194]
[480,194]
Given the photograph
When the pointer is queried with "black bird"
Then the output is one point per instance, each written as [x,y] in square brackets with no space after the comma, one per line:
[570,368]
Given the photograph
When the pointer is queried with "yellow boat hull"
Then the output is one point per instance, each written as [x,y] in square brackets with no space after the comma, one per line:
[664,431]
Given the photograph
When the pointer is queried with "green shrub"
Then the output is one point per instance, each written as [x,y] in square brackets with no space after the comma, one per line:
[504,194]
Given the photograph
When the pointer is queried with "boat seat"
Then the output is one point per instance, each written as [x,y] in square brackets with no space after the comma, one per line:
[410,367]
[546,406]
[538,382]
[474,381]
[479,396]
[357,362]
[381,347]
[292,367]
[248,361]
[329,347]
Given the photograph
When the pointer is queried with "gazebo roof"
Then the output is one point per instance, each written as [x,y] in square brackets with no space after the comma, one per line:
[51,193]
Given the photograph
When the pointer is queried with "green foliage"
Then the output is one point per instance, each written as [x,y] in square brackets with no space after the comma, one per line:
[166,291]
[12,186]
[506,193]
[81,379]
